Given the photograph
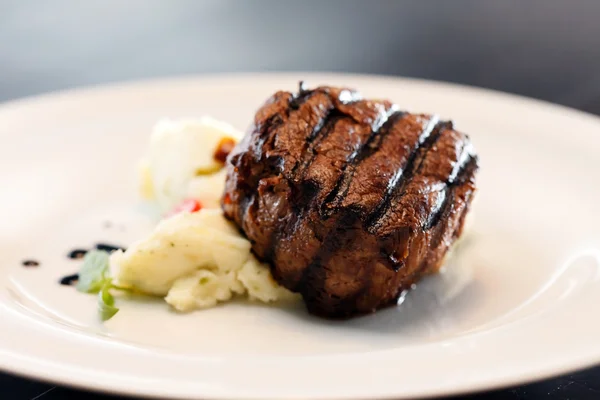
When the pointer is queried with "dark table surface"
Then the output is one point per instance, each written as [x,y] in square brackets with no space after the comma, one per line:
[548,49]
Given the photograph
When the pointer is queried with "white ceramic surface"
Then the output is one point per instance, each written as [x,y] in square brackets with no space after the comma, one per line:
[519,301]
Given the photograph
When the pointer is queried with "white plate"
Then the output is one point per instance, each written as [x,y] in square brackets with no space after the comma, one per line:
[519,303]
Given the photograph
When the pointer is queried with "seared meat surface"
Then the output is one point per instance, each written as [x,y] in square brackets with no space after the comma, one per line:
[350,201]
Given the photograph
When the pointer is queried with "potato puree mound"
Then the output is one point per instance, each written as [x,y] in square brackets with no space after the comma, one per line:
[180,162]
[195,260]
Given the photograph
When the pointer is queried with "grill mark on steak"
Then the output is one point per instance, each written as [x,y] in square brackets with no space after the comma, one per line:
[441,226]
[465,160]
[312,282]
[376,140]
[305,228]
[445,231]
[249,153]
[397,184]
[270,161]
[305,124]
[371,178]
[312,142]
[340,230]
[378,134]
[422,202]
[331,154]
[421,198]
[302,193]
[373,175]
[322,105]
[466,157]
[464,174]
[339,97]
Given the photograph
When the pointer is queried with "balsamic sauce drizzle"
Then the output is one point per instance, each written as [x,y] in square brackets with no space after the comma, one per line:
[78,254]
[31,263]
[69,280]
[108,247]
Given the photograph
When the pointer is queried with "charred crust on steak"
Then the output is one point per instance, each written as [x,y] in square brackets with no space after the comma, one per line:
[349,200]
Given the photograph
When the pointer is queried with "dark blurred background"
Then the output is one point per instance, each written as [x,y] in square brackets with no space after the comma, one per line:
[548,49]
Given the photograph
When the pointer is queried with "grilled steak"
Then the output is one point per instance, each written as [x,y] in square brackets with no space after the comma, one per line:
[350,201]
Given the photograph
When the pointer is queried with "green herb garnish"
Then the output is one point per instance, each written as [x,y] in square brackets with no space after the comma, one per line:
[106,302]
[94,277]
[94,272]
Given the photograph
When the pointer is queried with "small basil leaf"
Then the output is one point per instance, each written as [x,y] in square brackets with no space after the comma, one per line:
[106,302]
[94,271]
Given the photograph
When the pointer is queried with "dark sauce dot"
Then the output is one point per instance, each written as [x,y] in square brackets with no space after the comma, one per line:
[77,254]
[108,247]
[69,280]
[30,263]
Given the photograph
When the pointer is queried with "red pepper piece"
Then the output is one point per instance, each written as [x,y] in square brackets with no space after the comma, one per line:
[187,205]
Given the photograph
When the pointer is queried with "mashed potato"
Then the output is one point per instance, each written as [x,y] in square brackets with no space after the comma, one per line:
[180,163]
[193,260]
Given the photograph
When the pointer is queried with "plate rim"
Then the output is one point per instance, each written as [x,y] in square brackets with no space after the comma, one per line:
[95,387]
[130,84]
